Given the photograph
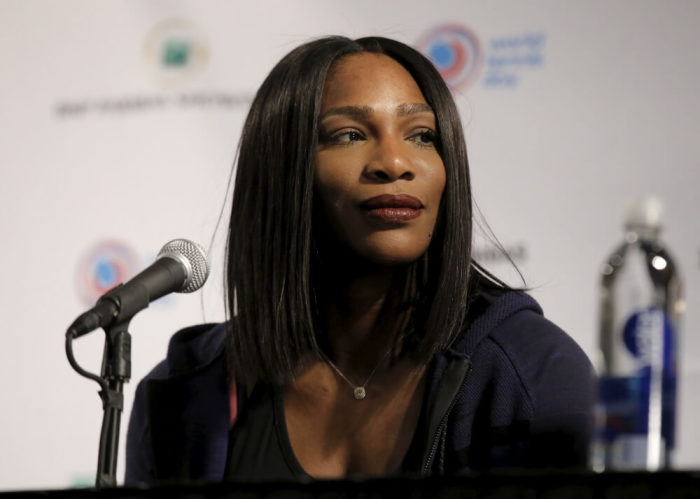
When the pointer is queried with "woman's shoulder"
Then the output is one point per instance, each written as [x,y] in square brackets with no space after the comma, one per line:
[509,327]
[188,390]
[522,328]
[529,382]
[490,313]
[192,348]
[531,379]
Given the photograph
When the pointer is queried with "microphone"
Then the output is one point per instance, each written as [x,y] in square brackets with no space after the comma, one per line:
[181,267]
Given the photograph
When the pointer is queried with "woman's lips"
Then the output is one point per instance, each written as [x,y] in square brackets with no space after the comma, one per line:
[392,207]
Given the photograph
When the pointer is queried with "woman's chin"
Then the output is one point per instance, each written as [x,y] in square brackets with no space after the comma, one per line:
[375,250]
[391,257]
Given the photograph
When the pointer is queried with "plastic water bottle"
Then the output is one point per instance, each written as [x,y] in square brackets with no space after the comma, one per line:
[641,305]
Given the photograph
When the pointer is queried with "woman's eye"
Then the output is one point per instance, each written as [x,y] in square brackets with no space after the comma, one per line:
[344,138]
[424,138]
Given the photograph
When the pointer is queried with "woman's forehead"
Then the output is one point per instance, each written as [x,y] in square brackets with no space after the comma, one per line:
[367,78]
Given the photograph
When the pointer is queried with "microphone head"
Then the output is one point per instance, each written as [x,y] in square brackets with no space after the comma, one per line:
[193,259]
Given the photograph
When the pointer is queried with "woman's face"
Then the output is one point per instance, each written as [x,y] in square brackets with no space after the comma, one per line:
[379,176]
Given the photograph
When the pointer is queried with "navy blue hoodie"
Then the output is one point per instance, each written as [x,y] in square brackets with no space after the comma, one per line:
[513,390]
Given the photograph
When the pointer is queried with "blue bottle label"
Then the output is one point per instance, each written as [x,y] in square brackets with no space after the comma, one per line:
[648,336]
[626,400]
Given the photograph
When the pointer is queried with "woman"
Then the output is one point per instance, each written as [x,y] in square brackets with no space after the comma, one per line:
[364,339]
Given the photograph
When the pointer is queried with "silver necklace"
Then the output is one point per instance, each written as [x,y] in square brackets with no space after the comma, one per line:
[358,391]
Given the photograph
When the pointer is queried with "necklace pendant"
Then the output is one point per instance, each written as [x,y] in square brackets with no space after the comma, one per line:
[359,392]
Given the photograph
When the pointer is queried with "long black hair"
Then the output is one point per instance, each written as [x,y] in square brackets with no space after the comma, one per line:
[270,280]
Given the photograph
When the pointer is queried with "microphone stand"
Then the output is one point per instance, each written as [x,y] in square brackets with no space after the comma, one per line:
[116,370]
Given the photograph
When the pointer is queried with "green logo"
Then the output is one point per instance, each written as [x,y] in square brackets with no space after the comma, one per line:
[176,53]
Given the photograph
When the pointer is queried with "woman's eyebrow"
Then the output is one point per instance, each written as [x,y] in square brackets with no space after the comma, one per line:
[352,111]
[406,109]
[366,111]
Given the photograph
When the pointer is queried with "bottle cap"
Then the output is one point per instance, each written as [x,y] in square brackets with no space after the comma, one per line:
[644,212]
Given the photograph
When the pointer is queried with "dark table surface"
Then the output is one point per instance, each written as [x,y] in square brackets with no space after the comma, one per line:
[506,485]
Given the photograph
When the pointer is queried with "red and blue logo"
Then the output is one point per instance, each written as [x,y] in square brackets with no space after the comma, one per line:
[456,53]
[104,266]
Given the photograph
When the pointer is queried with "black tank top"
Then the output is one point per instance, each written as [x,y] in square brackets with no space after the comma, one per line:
[259,448]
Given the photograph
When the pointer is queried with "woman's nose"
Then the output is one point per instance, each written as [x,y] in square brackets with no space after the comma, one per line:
[390,161]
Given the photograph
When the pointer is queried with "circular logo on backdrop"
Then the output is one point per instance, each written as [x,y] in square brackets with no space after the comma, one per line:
[176,51]
[105,265]
[456,53]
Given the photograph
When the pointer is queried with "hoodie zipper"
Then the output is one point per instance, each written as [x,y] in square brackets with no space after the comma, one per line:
[443,422]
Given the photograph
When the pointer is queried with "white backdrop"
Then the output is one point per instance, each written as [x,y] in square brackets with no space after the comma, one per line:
[120,122]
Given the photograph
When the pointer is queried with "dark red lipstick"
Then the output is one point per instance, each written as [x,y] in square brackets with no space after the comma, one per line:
[393,207]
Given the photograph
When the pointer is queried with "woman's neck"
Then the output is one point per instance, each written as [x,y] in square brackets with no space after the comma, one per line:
[357,331]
